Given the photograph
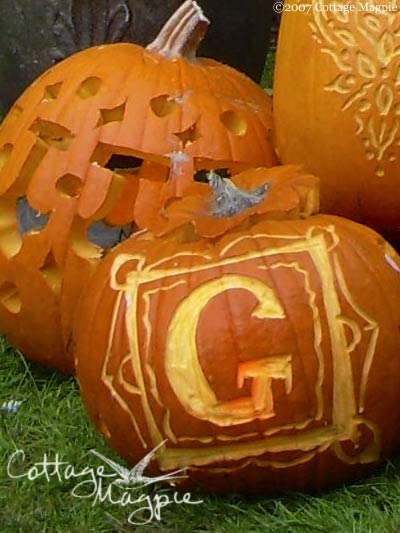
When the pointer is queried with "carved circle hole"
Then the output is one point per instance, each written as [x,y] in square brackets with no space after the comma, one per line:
[69,186]
[89,87]
[163,105]
[234,123]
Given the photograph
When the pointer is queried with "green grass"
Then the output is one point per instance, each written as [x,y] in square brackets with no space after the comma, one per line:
[51,419]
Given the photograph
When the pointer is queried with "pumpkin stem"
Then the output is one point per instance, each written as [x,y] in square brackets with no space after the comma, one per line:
[183,32]
[229,200]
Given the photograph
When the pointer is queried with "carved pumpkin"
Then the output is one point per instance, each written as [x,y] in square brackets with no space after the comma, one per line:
[59,28]
[107,128]
[339,112]
[263,357]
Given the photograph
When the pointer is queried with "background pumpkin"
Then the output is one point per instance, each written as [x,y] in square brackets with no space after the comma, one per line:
[336,107]
[263,359]
[106,128]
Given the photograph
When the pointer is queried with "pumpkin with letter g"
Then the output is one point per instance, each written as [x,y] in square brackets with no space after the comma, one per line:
[258,349]
[94,145]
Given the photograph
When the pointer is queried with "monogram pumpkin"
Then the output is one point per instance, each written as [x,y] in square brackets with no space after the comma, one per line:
[339,112]
[95,144]
[261,358]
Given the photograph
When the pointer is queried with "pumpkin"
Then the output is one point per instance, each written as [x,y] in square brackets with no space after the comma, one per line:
[94,143]
[260,353]
[58,29]
[339,111]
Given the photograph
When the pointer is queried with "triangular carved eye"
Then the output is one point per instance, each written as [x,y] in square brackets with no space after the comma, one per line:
[51,92]
[115,114]
[106,236]
[188,136]
[29,220]
[52,134]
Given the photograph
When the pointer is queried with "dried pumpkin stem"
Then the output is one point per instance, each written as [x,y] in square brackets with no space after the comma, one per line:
[182,33]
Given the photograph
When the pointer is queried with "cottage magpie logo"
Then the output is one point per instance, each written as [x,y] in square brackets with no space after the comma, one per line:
[110,482]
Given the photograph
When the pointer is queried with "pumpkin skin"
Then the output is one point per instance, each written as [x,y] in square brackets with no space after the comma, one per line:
[267,359]
[339,112]
[94,136]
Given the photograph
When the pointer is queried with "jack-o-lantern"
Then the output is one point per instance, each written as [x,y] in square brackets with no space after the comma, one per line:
[336,106]
[109,128]
[264,357]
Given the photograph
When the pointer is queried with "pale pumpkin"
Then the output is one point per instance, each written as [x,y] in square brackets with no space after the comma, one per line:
[337,109]
[261,358]
[92,147]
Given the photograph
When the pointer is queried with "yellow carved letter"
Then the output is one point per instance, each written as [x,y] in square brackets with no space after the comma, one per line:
[184,370]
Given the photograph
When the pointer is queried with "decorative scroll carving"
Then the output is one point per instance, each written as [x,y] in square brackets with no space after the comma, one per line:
[365,48]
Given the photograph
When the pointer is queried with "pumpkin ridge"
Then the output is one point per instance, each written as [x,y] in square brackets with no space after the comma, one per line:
[210,86]
[182,94]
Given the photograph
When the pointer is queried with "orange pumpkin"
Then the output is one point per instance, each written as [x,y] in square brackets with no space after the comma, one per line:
[95,144]
[261,357]
[336,106]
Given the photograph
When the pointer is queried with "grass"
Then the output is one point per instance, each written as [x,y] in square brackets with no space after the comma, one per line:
[51,419]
